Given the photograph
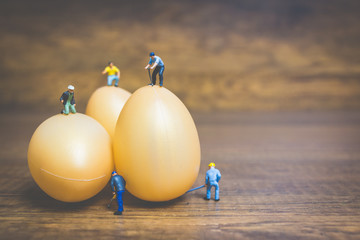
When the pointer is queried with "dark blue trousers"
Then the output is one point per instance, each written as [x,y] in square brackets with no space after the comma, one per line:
[119,200]
[158,70]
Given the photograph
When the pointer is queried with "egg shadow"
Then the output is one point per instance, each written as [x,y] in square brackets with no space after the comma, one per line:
[35,198]
[132,201]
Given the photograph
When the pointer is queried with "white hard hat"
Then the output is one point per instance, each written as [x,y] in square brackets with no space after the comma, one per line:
[71,87]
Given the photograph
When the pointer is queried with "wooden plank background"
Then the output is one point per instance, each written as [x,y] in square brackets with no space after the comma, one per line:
[292,175]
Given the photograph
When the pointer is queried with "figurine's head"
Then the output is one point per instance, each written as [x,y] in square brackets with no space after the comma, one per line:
[211,165]
[71,88]
[114,173]
[110,63]
[152,55]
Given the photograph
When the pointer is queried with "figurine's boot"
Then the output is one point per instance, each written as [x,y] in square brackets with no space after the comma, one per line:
[117,213]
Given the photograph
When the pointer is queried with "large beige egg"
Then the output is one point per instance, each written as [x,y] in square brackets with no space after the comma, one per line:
[156,145]
[105,105]
[70,157]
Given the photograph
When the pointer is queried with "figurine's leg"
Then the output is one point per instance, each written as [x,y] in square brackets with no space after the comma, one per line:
[116,81]
[161,76]
[208,192]
[109,80]
[120,201]
[66,109]
[155,72]
[217,192]
[72,109]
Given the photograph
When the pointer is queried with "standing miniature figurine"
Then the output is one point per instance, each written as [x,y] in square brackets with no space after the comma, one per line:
[68,100]
[159,66]
[212,179]
[118,183]
[113,74]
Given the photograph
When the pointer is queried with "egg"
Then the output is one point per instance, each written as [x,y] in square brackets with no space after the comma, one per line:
[70,157]
[156,145]
[105,105]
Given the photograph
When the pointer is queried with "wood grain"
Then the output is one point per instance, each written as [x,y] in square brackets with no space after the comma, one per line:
[285,176]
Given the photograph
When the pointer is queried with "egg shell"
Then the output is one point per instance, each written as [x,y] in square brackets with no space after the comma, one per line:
[105,105]
[70,157]
[156,145]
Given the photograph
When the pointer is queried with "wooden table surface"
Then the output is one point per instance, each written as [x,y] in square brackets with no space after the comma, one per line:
[285,176]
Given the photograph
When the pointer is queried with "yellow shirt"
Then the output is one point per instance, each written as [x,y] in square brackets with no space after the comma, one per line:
[112,71]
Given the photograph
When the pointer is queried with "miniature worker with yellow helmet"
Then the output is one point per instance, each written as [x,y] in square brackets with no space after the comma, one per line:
[212,179]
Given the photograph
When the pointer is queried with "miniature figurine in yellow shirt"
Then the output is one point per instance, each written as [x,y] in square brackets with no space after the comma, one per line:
[113,74]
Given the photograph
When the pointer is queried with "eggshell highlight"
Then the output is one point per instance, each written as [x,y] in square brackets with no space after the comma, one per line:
[70,157]
[156,145]
[105,105]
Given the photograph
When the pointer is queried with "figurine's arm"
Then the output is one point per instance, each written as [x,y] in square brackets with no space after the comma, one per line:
[62,98]
[154,66]
[112,185]
[73,100]
[105,71]
[218,176]
[148,65]
[207,179]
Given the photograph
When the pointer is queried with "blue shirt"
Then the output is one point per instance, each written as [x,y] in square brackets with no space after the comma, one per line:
[118,183]
[212,176]
[157,60]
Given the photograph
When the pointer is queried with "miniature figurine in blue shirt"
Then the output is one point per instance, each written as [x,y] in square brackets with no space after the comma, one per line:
[212,179]
[68,100]
[118,183]
[159,66]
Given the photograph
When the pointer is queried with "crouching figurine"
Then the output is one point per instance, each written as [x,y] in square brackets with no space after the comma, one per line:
[68,100]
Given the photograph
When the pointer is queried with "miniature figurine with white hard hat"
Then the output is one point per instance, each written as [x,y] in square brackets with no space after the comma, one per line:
[212,179]
[68,100]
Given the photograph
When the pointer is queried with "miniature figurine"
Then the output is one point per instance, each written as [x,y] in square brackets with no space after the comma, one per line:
[68,100]
[213,177]
[118,183]
[113,74]
[159,66]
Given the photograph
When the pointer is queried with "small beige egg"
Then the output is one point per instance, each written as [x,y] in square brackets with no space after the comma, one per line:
[70,157]
[105,105]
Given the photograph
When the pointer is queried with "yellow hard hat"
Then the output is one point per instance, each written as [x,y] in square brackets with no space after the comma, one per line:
[212,164]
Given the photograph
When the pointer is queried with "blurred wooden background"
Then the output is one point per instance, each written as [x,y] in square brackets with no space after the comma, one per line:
[219,55]
[285,176]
